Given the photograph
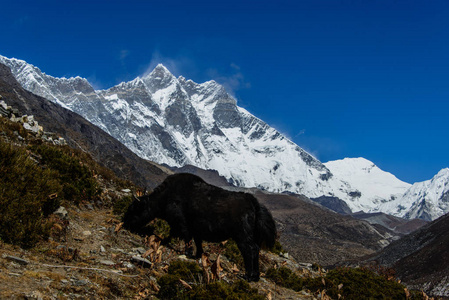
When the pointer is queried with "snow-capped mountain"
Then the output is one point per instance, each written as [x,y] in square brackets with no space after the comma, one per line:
[370,186]
[178,122]
[426,200]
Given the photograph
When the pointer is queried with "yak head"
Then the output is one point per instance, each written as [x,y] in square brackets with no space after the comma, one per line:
[140,212]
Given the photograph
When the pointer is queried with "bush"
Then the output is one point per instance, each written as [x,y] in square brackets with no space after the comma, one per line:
[286,278]
[121,205]
[160,227]
[349,283]
[172,288]
[232,252]
[186,270]
[239,290]
[277,248]
[362,283]
[25,197]
[76,178]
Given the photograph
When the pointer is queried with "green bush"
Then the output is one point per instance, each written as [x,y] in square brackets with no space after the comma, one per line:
[76,177]
[277,248]
[172,288]
[186,270]
[286,278]
[232,252]
[121,205]
[25,201]
[362,283]
[239,290]
[160,228]
[349,283]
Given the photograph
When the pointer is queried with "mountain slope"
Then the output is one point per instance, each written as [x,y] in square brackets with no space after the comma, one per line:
[421,258]
[79,133]
[426,200]
[370,185]
[178,122]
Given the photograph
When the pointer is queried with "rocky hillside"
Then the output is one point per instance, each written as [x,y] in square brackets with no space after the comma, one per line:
[80,133]
[421,258]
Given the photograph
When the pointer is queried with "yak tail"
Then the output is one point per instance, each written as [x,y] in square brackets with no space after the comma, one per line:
[266,228]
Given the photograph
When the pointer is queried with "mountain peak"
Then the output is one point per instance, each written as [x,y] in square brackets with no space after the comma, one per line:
[443,172]
[161,68]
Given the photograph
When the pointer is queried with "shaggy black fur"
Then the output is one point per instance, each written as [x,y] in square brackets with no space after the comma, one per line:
[195,209]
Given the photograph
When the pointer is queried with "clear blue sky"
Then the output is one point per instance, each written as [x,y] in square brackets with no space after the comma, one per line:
[340,78]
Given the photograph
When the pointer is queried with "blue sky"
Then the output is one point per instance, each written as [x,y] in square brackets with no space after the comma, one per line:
[340,78]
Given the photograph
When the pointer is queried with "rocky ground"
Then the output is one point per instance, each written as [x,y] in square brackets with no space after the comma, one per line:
[89,257]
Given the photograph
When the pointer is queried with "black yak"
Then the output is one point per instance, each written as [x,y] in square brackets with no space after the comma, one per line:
[198,210]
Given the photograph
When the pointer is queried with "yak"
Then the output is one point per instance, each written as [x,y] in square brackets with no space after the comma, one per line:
[198,210]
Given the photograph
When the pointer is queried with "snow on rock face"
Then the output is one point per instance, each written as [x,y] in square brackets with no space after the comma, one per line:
[177,122]
[426,200]
[370,186]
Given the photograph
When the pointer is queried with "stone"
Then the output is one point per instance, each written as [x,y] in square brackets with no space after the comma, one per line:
[16,259]
[141,261]
[107,262]
[139,250]
[129,265]
[81,282]
[61,212]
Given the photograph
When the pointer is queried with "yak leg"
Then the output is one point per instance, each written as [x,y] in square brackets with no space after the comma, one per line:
[188,245]
[199,247]
[250,253]
[188,250]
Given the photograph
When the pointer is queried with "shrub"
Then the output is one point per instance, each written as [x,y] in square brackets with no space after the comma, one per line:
[239,290]
[232,252]
[286,278]
[76,178]
[277,248]
[25,201]
[186,270]
[362,283]
[349,283]
[172,288]
[121,205]
[160,227]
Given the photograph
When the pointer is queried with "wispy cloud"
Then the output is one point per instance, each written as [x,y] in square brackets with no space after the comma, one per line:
[124,53]
[180,65]
[232,79]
